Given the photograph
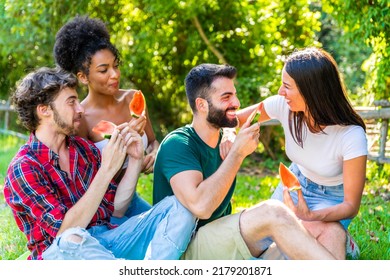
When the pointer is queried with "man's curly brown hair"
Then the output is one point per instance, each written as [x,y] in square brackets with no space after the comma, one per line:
[39,87]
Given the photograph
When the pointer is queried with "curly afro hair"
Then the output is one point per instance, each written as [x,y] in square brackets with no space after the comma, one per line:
[78,40]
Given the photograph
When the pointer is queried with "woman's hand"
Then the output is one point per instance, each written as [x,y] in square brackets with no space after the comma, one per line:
[150,157]
[133,141]
[229,135]
[301,209]
[138,124]
[147,165]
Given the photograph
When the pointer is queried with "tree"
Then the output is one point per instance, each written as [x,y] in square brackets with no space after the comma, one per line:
[27,36]
[160,41]
[368,22]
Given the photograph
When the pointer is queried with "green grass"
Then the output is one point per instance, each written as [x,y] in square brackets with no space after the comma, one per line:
[12,240]
[255,182]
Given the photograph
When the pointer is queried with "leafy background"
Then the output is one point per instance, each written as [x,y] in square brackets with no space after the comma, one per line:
[160,41]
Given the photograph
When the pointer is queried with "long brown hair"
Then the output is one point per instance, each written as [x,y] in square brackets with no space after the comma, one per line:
[316,75]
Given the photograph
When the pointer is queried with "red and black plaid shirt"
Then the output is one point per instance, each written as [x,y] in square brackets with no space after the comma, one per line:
[40,193]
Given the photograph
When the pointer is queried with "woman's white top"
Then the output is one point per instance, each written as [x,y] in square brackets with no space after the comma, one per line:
[322,156]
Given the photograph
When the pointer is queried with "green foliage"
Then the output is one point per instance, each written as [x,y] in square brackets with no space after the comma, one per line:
[160,41]
[349,58]
[367,22]
[27,35]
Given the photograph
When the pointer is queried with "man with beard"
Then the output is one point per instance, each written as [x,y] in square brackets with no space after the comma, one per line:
[189,165]
[61,191]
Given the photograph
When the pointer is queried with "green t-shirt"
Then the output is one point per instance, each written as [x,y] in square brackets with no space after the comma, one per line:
[184,150]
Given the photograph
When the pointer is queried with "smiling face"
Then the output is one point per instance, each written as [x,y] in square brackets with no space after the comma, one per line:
[291,93]
[67,112]
[223,103]
[104,74]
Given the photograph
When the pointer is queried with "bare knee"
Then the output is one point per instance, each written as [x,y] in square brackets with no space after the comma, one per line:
[268,214]
[334,229]
[75,238]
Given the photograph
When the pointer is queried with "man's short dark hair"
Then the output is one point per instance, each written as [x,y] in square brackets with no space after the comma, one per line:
[200,78]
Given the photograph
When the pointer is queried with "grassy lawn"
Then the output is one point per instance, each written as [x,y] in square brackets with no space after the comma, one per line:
[255,182]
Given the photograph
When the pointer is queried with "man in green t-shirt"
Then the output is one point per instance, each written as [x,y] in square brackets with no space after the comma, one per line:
[189,165]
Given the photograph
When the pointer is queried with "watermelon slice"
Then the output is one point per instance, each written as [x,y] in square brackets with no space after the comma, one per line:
[104,128]
[255,115]
[137,104]
[288,178]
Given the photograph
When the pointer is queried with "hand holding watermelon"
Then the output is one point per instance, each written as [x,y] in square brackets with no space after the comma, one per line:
[138,124]
[114,153]
[131,137]
[104,128]
[133,142]
[254,117]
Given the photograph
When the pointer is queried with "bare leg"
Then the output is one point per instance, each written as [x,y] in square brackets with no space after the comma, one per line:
[272,218]
[330,234]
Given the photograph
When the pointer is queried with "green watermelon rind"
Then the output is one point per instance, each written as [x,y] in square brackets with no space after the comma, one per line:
[294,188]
[256,117]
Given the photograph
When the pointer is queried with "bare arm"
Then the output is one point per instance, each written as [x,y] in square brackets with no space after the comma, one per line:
[202,196]
[244,113]
[82,212]
[151,149]
[128,183]
[354,171]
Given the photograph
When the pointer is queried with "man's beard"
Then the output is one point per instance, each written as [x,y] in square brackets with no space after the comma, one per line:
[218,118]
[66,129]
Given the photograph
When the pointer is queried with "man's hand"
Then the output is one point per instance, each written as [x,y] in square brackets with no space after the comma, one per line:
[114,153]
[133,142]
[247,139]
[229,135]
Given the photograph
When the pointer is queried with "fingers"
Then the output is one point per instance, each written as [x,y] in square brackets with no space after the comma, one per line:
[114,153]
[287,198]
[138,124]
[300,195]
[148,164]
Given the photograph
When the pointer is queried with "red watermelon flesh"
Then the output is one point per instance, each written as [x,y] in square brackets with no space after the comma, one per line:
[104,128]
[137,104]
[288,178]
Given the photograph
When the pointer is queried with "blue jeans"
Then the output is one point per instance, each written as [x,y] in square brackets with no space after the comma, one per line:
[316,196]
[137,206]
[163,232]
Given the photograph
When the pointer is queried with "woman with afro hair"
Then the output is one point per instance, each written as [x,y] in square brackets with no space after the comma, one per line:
[83,47]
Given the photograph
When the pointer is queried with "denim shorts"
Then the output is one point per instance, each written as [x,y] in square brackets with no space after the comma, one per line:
[316,196]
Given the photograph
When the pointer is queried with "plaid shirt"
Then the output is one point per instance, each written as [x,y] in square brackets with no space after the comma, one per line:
[40,193]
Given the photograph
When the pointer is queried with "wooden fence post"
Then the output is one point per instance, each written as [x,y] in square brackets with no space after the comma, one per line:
[383,131]
[6,114]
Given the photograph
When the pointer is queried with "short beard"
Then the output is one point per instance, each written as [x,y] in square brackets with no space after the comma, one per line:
[217,118]
[66,129]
